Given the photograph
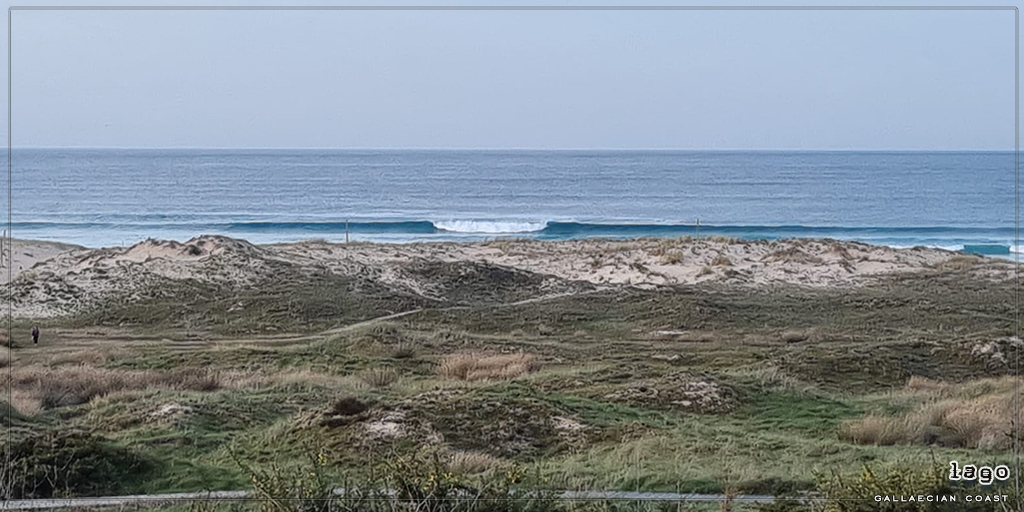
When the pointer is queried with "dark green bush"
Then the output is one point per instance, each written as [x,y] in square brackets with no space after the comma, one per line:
[70,464]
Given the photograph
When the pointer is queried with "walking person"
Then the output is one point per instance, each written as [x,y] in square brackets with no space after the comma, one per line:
[35,335]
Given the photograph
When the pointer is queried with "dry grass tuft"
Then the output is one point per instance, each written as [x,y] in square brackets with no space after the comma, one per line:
[378,377]
[977,414]
[471,463]
[959,263]
[772,376]
[292,376]
[878,430]
[74,385]
[474,366]
[26,404]
[672,257]
[721,261]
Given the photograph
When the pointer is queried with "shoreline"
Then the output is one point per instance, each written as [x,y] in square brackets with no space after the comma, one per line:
[998,242]
[453,237]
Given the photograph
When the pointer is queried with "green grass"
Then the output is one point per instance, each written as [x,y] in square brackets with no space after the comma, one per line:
[779,434]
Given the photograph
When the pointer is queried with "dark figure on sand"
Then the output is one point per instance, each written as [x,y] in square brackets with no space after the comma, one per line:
[35,334]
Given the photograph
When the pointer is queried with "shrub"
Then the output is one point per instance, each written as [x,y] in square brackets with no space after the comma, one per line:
[421,483]
[857,494]
[349,406]
[305,488]
[900,481]
[403,351]
[70,463]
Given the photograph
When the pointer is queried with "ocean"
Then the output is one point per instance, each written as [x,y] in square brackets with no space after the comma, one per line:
[110,197]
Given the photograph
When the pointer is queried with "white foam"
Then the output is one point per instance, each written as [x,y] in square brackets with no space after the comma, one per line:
[492,227]
[930,246]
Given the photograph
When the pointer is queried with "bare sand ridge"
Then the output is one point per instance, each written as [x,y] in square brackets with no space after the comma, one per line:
[53,279]
[26,253]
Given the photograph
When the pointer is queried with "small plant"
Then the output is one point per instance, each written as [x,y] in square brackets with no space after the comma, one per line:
[349,406]
[673,257]
[403,351]
[304,488]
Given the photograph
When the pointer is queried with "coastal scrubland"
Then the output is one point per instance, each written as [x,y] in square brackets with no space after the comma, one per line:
[706,365]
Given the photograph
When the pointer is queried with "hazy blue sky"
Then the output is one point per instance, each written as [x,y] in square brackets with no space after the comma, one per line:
[808,80]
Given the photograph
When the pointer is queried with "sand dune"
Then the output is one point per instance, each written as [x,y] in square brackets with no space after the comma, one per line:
[27,253]
[53,279]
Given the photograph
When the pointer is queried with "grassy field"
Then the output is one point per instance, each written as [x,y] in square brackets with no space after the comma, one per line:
[706,388]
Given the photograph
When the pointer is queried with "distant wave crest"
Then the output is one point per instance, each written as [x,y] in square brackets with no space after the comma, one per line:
[490,227]
[997,241]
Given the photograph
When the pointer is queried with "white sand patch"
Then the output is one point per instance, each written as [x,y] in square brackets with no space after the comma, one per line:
[64,278]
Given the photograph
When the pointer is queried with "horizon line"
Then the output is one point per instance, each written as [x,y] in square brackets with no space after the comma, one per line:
[526,148]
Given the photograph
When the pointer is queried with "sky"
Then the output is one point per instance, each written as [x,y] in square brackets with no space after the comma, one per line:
[886,80]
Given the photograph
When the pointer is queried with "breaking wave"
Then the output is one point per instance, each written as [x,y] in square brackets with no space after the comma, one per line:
[106,231]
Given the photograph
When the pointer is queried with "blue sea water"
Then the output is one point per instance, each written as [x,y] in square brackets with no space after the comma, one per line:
[104,197]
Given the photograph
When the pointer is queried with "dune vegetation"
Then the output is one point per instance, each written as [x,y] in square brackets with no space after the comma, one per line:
[756,369]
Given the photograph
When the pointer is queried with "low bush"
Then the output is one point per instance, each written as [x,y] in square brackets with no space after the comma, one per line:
[423,483]
[837,493]
[69,464]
